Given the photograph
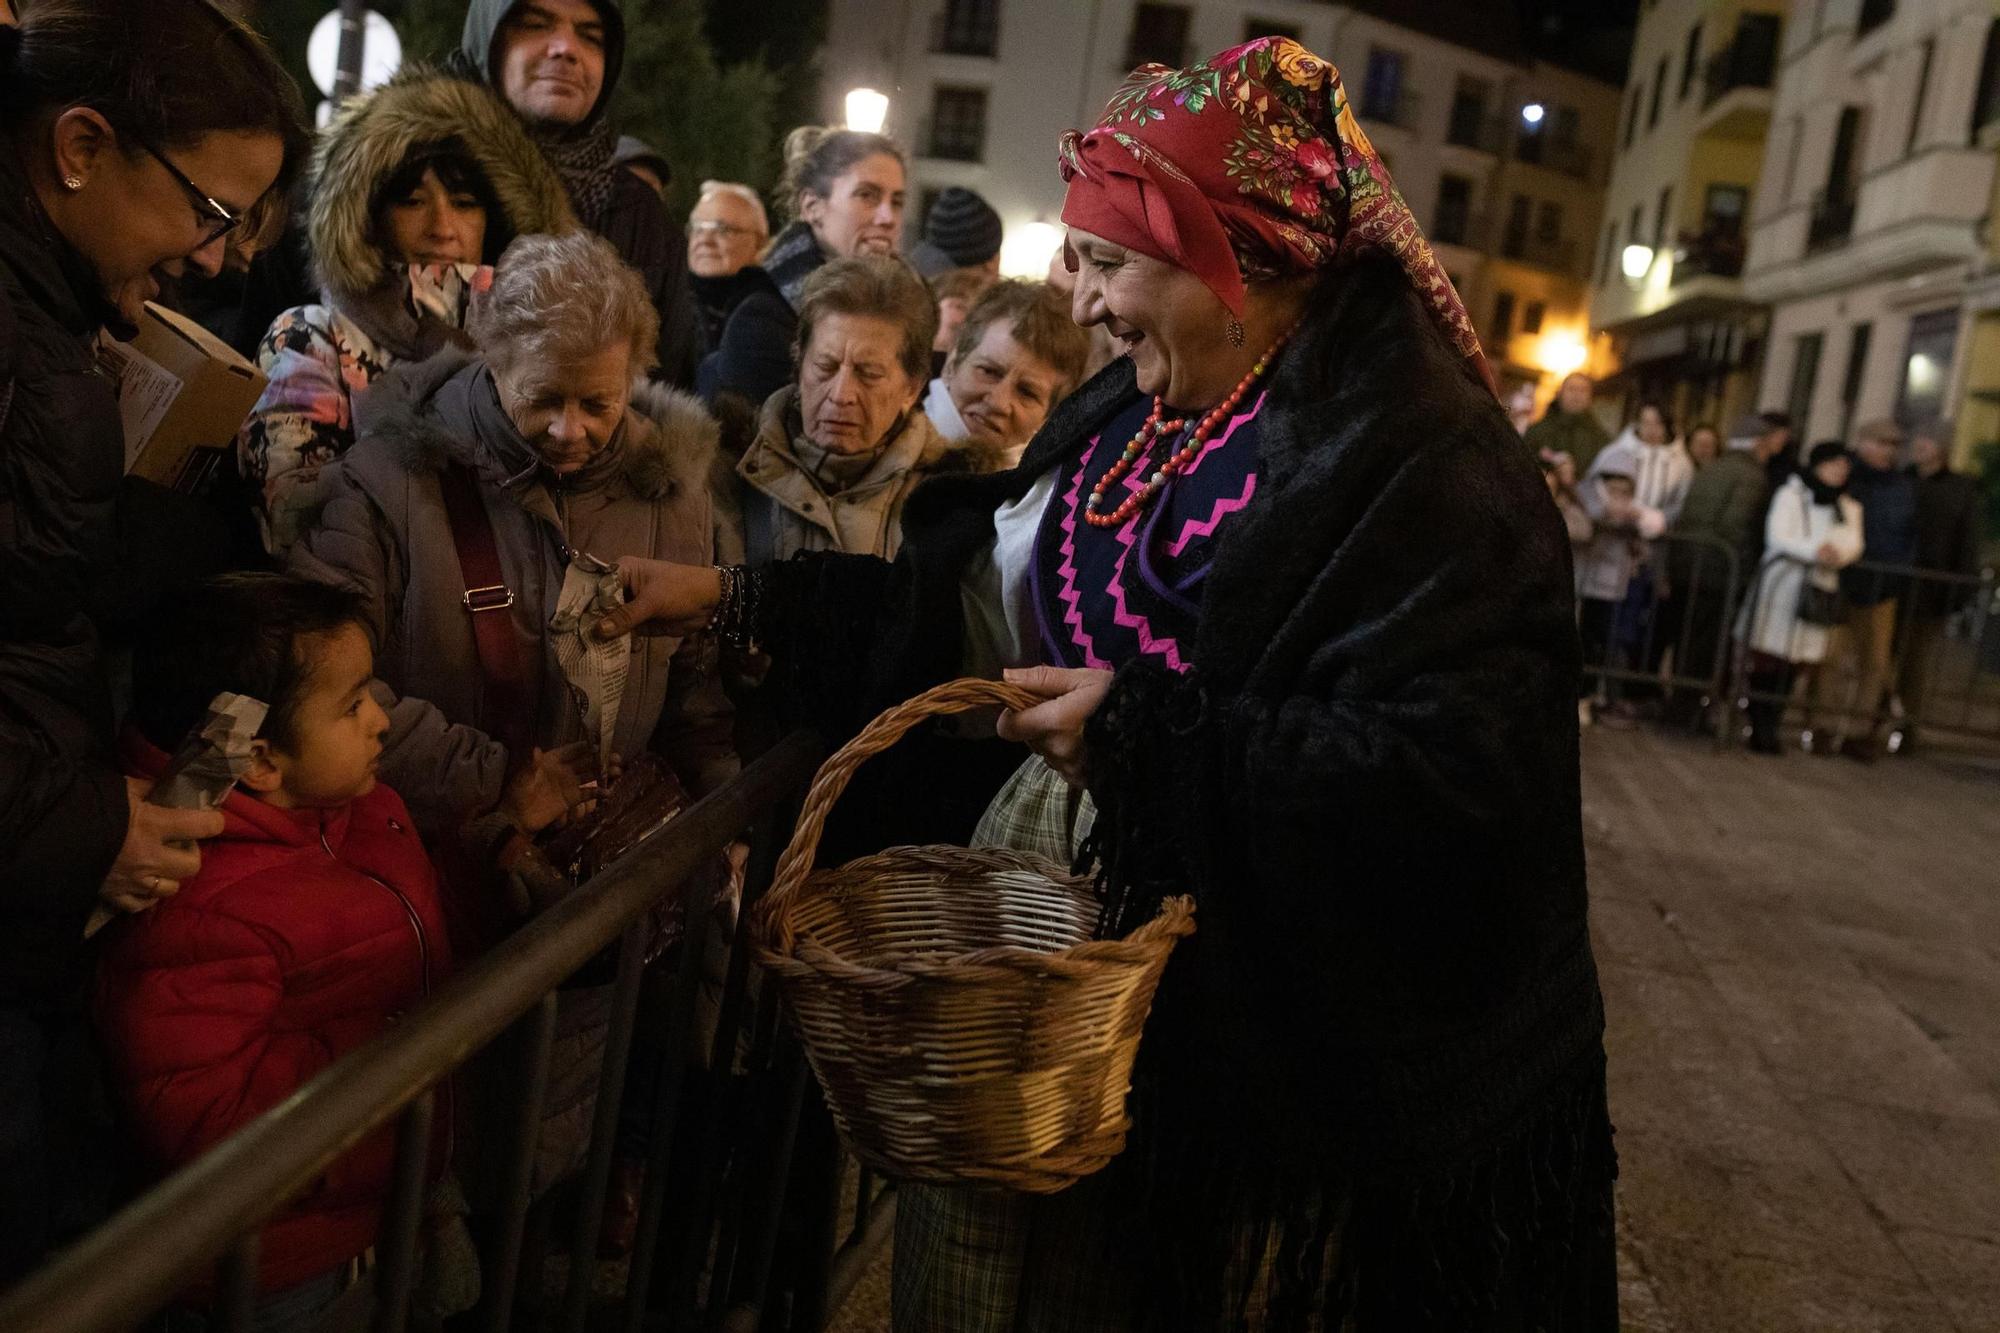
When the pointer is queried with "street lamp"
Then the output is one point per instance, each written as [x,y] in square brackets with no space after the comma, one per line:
[1029,248]
[1533,112]
[1637,261]
[867,110]
[1563,353]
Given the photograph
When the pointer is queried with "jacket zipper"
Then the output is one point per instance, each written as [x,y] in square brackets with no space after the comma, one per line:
[423,983]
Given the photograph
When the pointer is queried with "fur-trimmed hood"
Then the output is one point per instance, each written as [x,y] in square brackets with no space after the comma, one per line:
[373,136]
[666,450]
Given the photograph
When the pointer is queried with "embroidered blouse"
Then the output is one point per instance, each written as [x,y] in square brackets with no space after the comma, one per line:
[1104,596]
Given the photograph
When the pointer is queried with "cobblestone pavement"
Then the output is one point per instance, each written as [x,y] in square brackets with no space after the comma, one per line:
[1801,963]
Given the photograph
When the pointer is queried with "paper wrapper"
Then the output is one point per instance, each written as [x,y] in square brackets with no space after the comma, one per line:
[595,668]
[205,769]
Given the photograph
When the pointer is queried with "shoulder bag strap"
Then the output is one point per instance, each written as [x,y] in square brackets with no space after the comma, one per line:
[509,705]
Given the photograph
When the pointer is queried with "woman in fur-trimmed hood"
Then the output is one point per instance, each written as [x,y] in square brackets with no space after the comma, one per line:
[417,188]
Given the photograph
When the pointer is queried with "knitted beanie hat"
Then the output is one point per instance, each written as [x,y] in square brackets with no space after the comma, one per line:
[964,227]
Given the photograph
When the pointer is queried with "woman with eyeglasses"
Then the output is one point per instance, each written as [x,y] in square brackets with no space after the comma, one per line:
[135,142]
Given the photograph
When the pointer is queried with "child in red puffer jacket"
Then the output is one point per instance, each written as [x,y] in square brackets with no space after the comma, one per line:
[315,920]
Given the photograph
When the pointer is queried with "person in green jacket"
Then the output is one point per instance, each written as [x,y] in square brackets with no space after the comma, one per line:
[1724,509]
[1569,426]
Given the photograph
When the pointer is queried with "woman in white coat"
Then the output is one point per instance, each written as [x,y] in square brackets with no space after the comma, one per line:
[1813,530]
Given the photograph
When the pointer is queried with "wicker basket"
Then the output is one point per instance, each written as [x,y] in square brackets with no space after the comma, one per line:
[965,1025]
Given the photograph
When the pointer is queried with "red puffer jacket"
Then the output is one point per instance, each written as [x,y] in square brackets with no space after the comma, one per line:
[306,933]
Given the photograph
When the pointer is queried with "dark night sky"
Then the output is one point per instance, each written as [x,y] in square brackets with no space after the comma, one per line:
[1591,35]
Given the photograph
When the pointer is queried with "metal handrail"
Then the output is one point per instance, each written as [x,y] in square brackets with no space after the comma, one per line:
[136,1262]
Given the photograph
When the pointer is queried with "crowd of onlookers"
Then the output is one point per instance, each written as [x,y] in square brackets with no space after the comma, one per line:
[1833,567]
[494,366]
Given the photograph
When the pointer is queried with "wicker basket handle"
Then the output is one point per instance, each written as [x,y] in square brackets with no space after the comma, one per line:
[958,696]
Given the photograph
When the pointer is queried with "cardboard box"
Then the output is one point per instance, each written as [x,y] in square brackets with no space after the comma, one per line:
[180,389]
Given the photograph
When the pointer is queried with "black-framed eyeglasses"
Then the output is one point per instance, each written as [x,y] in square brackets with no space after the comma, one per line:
[218,220]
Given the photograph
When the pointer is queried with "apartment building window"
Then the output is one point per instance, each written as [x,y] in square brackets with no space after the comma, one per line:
[1610,252]
[1255,28]
[1531,316]
[1923,90]
[1874,13]
[970,28]
[1659,88]
[1514,239]
[1660,215]
[1986,107]
[1632,112]
[1159,35]
[1805,377]
[1833,215]
[1382,88]
[1503,316]
[1927,368]
[1468,127]
[1690,60]
[1548,223]
[958,124]
[1454,210]
[1850,383]
[1722,210]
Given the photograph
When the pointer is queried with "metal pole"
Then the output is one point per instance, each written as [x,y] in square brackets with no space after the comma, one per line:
[353,36]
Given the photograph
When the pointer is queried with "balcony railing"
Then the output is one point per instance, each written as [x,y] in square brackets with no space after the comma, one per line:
[1749,61]
[1398,107]
[1709,255]
[1831,224]
[1565,155]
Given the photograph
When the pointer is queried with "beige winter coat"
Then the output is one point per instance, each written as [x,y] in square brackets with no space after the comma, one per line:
[784,509]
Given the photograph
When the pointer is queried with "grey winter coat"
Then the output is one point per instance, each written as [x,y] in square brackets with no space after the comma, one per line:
[384,531]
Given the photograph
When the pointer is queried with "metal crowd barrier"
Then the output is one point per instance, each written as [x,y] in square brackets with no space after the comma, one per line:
[1942,675]
[1681,631]
[1670,634]
[741,1220]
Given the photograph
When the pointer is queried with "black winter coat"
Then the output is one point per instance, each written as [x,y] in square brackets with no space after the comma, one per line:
[62,802]
[637,225]
[1950,532]
[1370,783]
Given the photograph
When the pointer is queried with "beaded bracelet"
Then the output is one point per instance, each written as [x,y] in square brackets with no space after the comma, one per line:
[735,618]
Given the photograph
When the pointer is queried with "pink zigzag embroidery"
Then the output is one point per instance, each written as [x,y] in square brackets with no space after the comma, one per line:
[1223,509]
[1068,593]
[1217,441]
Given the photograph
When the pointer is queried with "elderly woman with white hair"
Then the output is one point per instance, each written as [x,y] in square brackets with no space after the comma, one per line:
[727,230]
[476,512]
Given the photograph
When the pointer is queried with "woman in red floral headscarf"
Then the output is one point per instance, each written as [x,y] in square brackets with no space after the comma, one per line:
[1301,613]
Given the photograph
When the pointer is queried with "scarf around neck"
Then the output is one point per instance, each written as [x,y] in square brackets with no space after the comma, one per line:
[499,451]
[421,310]
[584,161]
[1822,494]
[793,257]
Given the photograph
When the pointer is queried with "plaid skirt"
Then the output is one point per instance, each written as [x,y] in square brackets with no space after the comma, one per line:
[973,1260]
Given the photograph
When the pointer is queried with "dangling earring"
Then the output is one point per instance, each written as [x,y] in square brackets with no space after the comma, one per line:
[73,182]
[1235,331]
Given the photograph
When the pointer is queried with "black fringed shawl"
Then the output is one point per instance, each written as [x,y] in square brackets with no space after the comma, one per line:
[1389,1014]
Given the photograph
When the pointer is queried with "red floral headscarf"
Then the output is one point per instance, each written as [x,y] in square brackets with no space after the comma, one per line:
[1249,165]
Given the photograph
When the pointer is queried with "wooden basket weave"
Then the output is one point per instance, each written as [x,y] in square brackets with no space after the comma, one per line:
[964,1023]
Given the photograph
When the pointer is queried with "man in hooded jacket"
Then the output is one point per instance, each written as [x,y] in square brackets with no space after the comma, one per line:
[557,63]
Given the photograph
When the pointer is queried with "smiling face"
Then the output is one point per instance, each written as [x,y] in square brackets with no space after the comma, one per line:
[852,384]
[132,220]
[1833,471]
[433,224]
[1001,389]
[549,61]
[568,410]
[724,235]
[1165,318]
[337,729]
[862,211]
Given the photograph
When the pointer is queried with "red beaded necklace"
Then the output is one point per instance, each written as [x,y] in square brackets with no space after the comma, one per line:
[1156,426]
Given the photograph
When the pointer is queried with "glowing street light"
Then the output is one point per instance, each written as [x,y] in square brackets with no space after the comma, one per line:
[867,110]
[1533,112]
[1029,248]
[1563,353]
[1637,261]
